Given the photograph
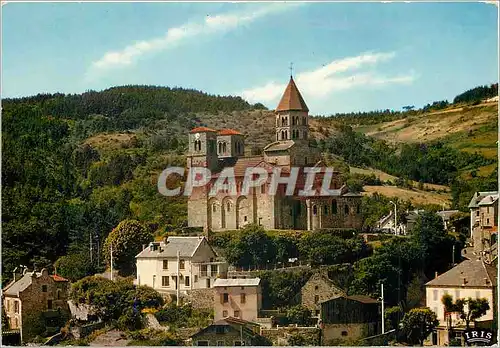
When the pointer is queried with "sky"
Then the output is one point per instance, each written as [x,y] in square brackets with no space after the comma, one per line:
[346,57]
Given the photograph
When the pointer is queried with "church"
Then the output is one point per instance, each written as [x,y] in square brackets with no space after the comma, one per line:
[230,210]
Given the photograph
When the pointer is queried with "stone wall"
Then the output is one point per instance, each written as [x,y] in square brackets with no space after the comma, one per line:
[318,289]
[279,336]
[334,334]
[201,298]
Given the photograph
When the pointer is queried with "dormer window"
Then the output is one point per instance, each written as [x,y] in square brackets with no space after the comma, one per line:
[197,145]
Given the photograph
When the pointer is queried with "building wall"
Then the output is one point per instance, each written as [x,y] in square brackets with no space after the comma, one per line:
[247,311]
[316,290]
[435,294]
[230,141]
[227,339]
[207,155]
[333,334]
[324,216]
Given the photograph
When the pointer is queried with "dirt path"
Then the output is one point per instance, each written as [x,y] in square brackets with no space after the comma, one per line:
[111,338]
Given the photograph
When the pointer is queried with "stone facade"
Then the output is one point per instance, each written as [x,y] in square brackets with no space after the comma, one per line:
[233,207]
[201,298]
[228,332]
[279,336]
[35,301]
[317,289]
[484,223]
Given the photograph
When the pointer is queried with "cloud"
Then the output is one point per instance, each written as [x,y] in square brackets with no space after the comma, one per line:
[492,2]
[330,77]
[191,30]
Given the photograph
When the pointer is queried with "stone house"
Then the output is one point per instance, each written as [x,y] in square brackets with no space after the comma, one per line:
[233,208]
[484,223]
[348,318]
[239,298]
[36,301]
[229,332]
[191,259]
[317,289]
[469,279]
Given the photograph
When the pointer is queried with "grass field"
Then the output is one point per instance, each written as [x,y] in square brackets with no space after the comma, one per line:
[415,196]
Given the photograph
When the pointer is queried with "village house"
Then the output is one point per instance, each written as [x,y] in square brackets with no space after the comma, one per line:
[469,279]
[239,298]
[349,318]
[191,259]
[232,209]
[229,332]
[484,224]
[35,302]
[317,289]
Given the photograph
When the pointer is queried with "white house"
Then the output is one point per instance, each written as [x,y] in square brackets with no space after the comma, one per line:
[469,279]
[191,259]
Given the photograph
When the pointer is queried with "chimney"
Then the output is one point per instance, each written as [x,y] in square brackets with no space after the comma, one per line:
[436,275]
[464,281]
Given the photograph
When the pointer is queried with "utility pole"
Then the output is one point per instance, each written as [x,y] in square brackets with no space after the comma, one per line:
[90,235]
[453,256]
[111,261]
[178,282]
[383,314]
[395,218]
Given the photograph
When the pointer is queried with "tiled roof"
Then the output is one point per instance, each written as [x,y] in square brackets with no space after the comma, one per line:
[292,99]
[240,164]
[236,282]
[186,245]
[474,271]
[478,196]
[228,132]
[279,145]
[362,299]
[58,278]
[202,129]
[20,285]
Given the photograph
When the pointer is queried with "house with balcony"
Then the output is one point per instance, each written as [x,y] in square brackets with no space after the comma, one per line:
[469,279]
[179,263]
[240,298]
[36,303]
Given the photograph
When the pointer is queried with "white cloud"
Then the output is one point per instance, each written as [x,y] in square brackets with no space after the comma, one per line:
[211,25]
[326,79]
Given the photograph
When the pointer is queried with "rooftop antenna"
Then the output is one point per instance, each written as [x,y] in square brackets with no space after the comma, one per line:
[291,69]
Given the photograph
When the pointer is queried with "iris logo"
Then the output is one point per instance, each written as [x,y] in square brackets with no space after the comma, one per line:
[478,337]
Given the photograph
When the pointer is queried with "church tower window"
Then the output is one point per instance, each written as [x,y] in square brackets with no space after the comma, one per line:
[214,208]
[286,135]
[228,206]
[197,145]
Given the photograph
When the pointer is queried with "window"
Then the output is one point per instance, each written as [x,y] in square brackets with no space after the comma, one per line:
[242,287]
[44,288]
[316,287]
[245,218]
[237,343]
[196,278]
[219,329]
[243,298]
[165,264]
[220,343]
[334,207]
[225,297]
[214,207]
[236,314]
[316,298]
[202,343]
[305,160]
[49,304]
[16,323]
[457,294]
[165,281]
[477,213]
[181,264]
[203,270]
[208,283]
[224,314]
[228,207]
[186,281]
[16,307]
[315,210]
[344,333]
[487,210]
[346,209]
[58,294]
[197,145]
[435,295]
[325,209]
[213,271]
[488,221]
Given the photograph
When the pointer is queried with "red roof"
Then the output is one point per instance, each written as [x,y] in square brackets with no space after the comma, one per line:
[291,99]
[228,132]
[58,278]
[202,129]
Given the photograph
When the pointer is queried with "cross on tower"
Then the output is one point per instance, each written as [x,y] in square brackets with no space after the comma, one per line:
[291,69]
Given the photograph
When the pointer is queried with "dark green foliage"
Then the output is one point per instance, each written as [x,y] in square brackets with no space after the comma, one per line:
[470,309]
[392,317]
[418,323]
[183,316]
[116,300]
[150,337]
[477,94]
[279,288]
[298,314]
[74,266]
[127,240]
[5,320]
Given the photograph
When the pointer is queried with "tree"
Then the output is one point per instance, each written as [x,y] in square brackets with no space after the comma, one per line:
[5,320]
[74,266]
[469,309]
[298,315]
[127,240]
[251,247]
[418,324]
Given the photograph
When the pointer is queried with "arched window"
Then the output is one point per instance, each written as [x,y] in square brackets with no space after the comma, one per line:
[277,136]
[228,206]
[214,207]
[334,207]
[282,135]
[283,123]
[224,147]
[58,294]
[304,121]
[286,135]
[346,209]
[197,145]
[315,210]
[220,147]
[293,121]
